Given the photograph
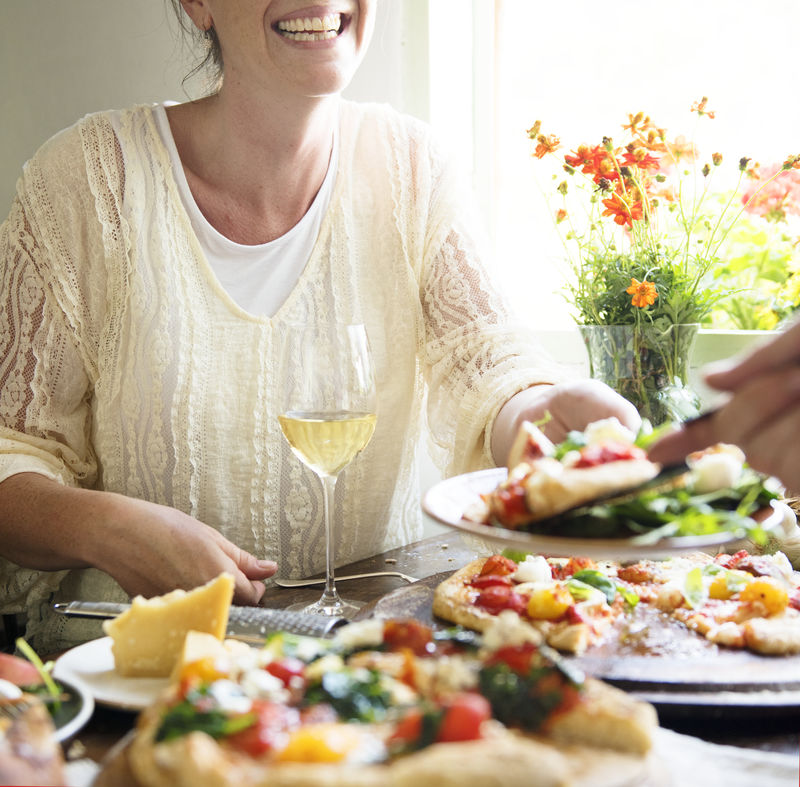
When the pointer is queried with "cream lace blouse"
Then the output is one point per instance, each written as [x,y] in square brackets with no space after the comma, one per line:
[125,366]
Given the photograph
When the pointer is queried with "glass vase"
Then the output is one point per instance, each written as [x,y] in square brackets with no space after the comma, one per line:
[648,365]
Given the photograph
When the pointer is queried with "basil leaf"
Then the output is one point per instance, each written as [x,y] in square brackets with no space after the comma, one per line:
[693,588]
[356,695]
[628,596]
[597,579]
[184,717]
[517,555]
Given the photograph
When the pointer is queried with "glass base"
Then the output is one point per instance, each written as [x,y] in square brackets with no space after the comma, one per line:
[339,608]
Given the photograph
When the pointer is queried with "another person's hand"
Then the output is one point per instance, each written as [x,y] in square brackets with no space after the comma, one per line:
[761,416]
[151,549]
[564,407]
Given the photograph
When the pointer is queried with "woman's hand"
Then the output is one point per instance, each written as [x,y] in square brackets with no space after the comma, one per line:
[151,549]
[761,416]
[148,549]
[570,405]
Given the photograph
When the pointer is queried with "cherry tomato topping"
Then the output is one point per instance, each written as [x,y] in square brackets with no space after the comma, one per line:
[496,598]
[269,731]
[516,657]
[573,615]
[498,564]
[408,729]
[463,717]
[286,669]
[410,634]
[509,505]
[600,454]
[487,580]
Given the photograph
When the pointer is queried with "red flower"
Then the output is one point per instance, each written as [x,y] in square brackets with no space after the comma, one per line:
[622,212]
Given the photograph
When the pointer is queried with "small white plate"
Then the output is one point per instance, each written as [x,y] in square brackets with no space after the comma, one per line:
[73,712]
[93,665]
[448,501]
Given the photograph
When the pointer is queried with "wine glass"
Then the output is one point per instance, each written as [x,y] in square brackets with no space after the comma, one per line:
[327,416]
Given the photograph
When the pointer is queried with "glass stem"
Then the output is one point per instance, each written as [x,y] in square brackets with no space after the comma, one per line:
[329,595]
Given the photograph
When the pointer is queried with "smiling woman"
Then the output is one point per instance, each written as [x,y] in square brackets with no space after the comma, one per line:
[152,263]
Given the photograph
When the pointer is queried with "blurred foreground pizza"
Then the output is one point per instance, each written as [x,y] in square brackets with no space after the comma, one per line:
[389,703]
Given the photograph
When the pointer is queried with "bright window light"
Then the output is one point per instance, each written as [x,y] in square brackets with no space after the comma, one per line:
[580,67]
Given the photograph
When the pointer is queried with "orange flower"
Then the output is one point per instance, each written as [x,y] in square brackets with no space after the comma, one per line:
[581,157]
[561,214]
[682,149]
[621,211]
[546,143]
[644,293]
[639,157]
[700,108]
[637,123]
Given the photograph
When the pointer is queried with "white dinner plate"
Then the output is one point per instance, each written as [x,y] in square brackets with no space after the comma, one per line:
[92,664]
[448,500]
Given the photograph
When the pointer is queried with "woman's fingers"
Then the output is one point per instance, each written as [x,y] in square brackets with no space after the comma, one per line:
[248,587]
[762,417]
[782,351]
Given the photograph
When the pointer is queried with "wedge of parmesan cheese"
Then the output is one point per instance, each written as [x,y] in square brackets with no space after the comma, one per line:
[147,639]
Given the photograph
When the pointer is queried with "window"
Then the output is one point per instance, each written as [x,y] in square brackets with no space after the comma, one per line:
[580,67]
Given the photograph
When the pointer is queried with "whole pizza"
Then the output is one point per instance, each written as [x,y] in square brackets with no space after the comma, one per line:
[389,703]
[738,600]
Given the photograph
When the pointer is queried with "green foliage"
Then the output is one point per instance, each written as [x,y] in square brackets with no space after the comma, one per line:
[356,695]
[760,275]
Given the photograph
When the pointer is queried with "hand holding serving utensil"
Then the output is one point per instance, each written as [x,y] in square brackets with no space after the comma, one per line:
[327,416]
[760,412]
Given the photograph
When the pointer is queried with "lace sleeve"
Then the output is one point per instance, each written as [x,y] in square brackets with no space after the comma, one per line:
[44,384]
[477,356]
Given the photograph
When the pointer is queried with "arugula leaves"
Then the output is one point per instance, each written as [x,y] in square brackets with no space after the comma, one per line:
[185,717]
[654,513]
[356,695]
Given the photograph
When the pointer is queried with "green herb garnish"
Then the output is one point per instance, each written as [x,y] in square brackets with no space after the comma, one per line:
[53,689]
[356,695]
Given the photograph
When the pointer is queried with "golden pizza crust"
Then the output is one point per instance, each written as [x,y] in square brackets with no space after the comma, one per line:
[776,636]
[506,758]
[553,489]
[608,718]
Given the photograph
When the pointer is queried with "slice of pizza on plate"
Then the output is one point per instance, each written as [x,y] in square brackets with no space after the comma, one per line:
[599,484]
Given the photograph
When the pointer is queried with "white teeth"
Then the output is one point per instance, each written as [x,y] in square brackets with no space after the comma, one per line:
[311,29]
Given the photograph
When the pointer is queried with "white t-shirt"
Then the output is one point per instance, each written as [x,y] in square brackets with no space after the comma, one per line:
[258,278]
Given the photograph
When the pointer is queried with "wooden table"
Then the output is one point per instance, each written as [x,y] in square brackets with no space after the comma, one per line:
[445,553]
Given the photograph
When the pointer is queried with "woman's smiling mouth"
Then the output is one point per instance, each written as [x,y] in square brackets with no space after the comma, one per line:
[314,28]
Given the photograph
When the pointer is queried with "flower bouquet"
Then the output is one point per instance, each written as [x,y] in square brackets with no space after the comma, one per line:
[643,229]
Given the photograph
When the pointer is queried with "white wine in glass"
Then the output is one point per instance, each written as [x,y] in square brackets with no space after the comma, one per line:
[328,416]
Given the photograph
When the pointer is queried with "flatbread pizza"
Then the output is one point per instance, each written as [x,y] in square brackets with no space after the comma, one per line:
[739,601]
[389,703]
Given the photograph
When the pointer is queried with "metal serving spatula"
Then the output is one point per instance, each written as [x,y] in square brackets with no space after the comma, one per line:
[249,624]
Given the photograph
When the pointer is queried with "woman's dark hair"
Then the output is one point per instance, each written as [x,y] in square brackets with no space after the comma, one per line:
[209,42]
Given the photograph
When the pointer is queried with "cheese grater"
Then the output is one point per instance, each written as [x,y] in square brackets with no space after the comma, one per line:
[249,624]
